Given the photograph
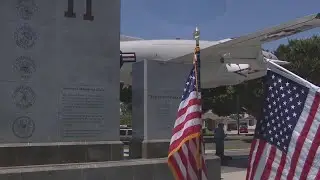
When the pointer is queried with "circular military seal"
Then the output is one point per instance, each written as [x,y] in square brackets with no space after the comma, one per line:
[23,127]
[24,97]
[26,9]
[25,66]
[25,37]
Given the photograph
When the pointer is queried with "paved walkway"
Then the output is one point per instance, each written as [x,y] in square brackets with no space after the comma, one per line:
[234,169]
[239,175]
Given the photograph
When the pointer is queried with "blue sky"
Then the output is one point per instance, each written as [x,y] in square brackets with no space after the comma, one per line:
[217,19]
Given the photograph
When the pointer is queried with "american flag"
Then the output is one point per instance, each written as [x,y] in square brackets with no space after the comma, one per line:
[287,137]
[184,157]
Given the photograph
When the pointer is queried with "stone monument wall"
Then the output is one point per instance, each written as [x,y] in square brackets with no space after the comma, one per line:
[156,91]
[59,73]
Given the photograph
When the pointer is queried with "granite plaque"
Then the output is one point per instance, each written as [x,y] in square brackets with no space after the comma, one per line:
[162,108]
[76,119]
[59,72]
[161,97]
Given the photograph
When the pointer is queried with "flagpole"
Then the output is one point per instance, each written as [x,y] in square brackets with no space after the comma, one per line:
[288,72]
[196,36]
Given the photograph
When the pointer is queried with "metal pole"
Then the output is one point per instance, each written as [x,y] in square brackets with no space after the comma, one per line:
[238,115]
[196,36]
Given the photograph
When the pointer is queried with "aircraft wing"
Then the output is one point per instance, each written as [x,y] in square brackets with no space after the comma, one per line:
[247,46]
[129,38]
[244,53]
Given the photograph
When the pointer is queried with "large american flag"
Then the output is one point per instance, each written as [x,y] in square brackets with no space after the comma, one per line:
[184,157]
[287,137]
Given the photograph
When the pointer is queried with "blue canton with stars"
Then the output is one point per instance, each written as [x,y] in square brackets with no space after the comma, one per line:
[190,85]
[284,102]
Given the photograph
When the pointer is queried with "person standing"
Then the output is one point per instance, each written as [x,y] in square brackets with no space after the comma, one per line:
[219,136]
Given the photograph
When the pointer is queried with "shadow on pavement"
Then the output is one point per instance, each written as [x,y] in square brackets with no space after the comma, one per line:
[236,162]
[247,140]
[210,139]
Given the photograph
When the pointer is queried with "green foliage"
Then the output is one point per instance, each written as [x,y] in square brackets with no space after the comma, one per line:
[126,119]
[126,94]
[251,98]
[304,55]
[223,100]
[207,132]
[217,99]
[126,105]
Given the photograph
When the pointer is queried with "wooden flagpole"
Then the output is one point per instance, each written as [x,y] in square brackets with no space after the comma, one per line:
[196,36]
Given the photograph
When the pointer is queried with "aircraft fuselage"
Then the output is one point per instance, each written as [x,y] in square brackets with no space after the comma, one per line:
[213,74]
[161,50]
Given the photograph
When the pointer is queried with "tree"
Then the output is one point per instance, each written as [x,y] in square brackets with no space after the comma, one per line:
[125,114]
[217,99]
[126,105]
[251,98]
[223,100]
[126,94]
[304,57]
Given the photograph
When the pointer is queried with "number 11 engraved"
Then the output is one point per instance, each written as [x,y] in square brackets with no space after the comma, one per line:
[88,14]
[70,13]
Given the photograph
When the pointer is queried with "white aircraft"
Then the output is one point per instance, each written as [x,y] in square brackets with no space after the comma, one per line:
[225,62]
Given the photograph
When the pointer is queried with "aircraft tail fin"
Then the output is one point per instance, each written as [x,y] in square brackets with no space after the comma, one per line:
[129,38]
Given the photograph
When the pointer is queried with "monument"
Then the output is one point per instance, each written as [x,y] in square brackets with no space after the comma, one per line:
[157,88]
[59,81]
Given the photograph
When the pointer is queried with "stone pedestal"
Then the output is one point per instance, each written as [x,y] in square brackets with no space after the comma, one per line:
[155,148]
[59,153]
[156,94]
[141,169]
[59,80]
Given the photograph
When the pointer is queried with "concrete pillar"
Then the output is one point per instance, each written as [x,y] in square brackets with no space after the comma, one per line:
[157,89]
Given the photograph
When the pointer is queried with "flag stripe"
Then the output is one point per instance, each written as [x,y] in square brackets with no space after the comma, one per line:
[175,168]
[302,137]
[189,117]
[185,117]
[315,166]
[190,168]
[262,162]
[184,161]
[298,129]
[190,102]
[268,166]
[192,161]
[307,146]
[261,145]
[253,148]
[192,99]
[276,163]
[314,134]
[318,175]
[281,166]
[253,158]
[183,136]
[182,118]
[182,167]
[188,138]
